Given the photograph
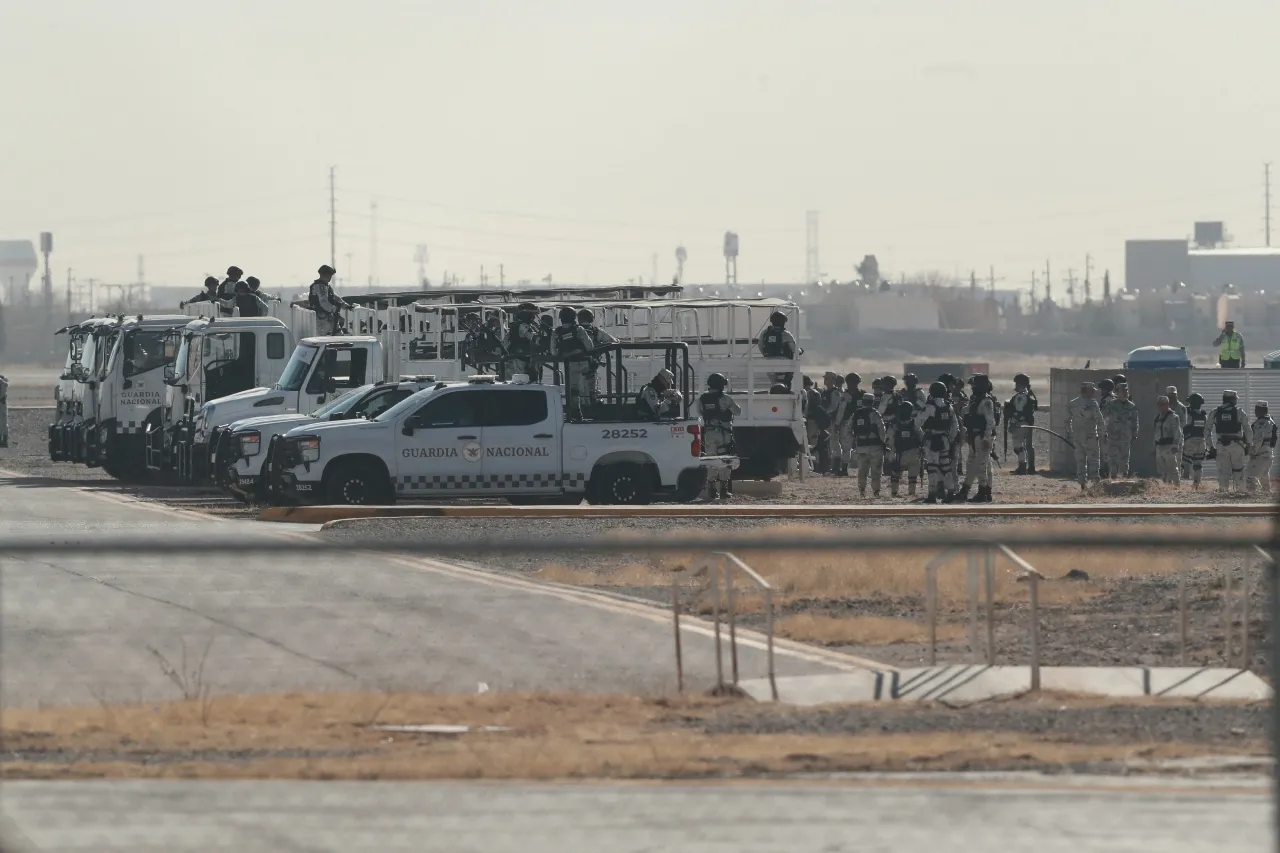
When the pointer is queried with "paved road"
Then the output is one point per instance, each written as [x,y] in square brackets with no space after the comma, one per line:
[79,630]
[463,817]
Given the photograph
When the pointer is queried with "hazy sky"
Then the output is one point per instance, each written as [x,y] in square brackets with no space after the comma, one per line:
[580,137]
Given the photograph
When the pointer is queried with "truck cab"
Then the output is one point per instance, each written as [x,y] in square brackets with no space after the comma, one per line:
[483,438]
[92,336]
[215,358]
[320,369]
[130,392]
[243,453]
[65,394]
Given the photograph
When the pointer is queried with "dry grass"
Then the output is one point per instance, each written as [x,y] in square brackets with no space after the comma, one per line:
[551,737]
[900,574]
[828,630]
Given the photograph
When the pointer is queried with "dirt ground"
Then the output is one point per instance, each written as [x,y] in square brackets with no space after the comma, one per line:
[516,736]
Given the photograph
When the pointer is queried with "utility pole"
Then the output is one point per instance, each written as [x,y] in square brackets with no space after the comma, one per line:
[420,255]
[333,222]
[1048,281]
[69,318]
[1071,286]
[1088,288]
[1266,178]
[1033,290]
[502,275]
[373,243]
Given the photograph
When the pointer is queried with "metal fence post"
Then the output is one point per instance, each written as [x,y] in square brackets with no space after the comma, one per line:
[1245,660]
[931,604]
[1228,632]
[675,620]
[1034,580]
[715,615]
[972,565]
[733,617]
[1182,614]
[773,678]
[989,580]
[1273,581]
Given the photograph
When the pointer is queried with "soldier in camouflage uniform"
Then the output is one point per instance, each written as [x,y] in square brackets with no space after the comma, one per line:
[1084,428]
[1168,438]
[1121,415]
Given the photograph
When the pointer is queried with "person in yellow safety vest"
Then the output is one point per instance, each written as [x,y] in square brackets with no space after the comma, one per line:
[1230,346]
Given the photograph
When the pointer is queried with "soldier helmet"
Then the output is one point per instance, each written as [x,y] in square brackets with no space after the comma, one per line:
[494,320]
[1260,408]
[665,378]
[852,380]
[1119,379]
[889,382]
[1172,391]
[235,272]
[717,382]
[527,306]
[957,382]
[946,379]
[568,315]
[586,315]
[910,380]
[938,389]
[1229,396]
[210,282]
[868,399]
[253,282]
[1088,387]
[242,286]
[905,411]
[777,318]
[808,381]
[1107,385]
[546,320]
[327,270]
[1162,402]
[1194,400]
[877,384]
[981,384]
[1021,380]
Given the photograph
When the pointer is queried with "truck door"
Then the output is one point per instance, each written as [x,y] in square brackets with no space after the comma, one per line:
[521,441]
[438,447]
[337,371]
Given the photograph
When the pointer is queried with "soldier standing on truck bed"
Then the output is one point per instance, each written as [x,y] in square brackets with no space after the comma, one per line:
[571,344]
[210,293]
[322,299]
[227,291]
[717,410]
[777,342]
[599,338]
[522,341]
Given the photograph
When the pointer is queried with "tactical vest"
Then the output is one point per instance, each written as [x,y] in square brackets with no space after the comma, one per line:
[567,340]
[1160,420]
[939,422]
[864,426]
[1226,420]
[975,422]
[713,413]
[1197,419]
[906,438]
[771,345]
[522,339]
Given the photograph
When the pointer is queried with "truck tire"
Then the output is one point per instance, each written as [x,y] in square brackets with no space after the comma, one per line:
[355,483]
[625,483]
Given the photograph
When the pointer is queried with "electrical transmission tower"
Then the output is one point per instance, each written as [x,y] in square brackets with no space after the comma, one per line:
[812,269]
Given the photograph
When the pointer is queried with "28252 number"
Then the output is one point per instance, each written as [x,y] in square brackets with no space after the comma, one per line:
[624,433]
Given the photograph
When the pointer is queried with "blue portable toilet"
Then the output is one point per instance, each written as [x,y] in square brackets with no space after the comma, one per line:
[1157,358]
[1271,361]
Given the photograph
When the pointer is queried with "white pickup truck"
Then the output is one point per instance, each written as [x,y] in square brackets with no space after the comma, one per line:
[489,439]
[245,447]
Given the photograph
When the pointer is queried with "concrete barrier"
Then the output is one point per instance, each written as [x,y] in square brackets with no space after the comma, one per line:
[959,685]
[321,514]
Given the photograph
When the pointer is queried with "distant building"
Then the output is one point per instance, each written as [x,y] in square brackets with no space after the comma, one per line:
[18,263]
[1205,264]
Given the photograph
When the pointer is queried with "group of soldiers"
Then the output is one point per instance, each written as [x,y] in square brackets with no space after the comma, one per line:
[1103,422]
[917,433]
[234,293]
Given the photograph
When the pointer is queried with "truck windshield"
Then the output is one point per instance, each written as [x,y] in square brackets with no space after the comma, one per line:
[295,372]
[150,351]
[343,404]
[408,404]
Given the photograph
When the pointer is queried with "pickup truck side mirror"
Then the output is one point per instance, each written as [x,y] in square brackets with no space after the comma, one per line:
[409,425]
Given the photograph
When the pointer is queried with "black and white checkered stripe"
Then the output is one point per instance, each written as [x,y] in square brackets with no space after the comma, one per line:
[490,482]
[130,427]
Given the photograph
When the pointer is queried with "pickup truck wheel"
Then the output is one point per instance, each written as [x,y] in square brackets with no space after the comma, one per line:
[355,484]
[624,484]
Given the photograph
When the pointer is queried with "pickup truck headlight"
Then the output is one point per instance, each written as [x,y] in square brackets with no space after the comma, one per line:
[309,449]
[250,444]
